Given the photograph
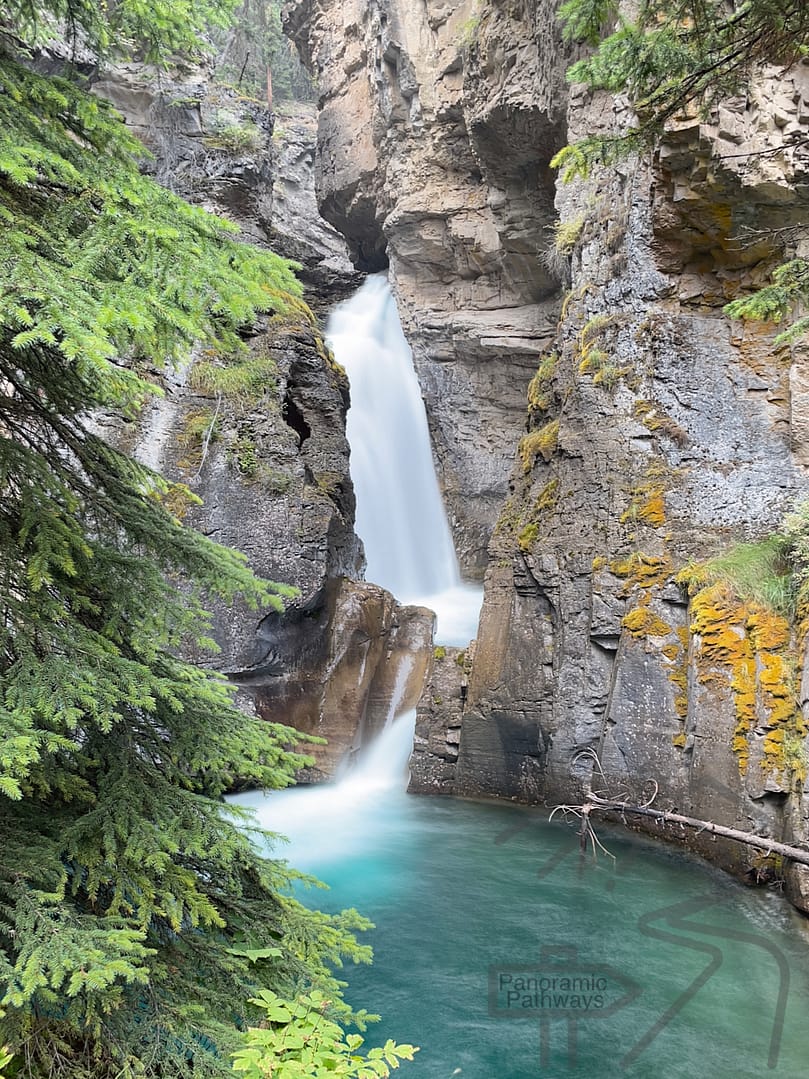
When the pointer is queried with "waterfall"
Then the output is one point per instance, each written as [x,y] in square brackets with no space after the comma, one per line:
[408,545]
[400,515]
[335,822]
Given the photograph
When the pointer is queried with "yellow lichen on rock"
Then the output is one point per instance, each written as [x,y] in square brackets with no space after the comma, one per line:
[546,499]
[539,443]
[643,622]
[776,678]
[677,654]
[752,644]
[646,571]
[648,506]
[769,630]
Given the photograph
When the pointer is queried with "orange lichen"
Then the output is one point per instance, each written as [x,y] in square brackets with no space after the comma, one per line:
[679,740]
[677,655]
[742,750]
[776,678]
[648,506]
[643,622]
[768,630]
[743,684]
[653,511]
[647,571]
[679,679]
[751,643]
[774,742]
[719,618]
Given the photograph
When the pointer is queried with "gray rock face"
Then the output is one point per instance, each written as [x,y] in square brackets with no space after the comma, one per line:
[341,667]
[439,717]
[657,431]
[435,131]
[294,225]
[231,155]
[271,466]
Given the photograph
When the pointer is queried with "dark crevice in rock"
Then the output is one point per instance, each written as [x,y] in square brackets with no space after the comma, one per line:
[294,418]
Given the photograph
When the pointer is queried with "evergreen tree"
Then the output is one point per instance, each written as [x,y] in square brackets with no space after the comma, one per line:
[674,54]
[136,918]
[256,49]
[678,55]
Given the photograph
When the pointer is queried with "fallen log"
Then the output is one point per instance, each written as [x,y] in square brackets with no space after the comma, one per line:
[771,846]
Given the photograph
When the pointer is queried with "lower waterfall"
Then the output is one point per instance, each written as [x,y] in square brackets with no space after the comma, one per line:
[500,949]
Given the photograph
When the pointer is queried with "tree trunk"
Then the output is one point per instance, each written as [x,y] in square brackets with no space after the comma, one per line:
[795,854]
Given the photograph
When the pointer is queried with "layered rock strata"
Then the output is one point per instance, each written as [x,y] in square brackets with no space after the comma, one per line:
[270,462]
[657,432]
[227,152]
[436,125]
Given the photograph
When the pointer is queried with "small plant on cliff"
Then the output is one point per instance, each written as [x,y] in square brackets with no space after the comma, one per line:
[567,233]
[541,443]
[240,377]
[761,572]
[540,392]
[676,58]
[469,32]
[236,137]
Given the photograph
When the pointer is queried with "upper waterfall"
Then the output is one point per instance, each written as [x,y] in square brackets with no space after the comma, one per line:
[400,514]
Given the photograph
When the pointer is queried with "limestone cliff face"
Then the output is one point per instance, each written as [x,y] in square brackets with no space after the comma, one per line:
[658,433]
[270,463]
[653,432]
[437,122]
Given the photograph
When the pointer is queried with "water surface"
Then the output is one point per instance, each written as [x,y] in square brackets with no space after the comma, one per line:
[699,975]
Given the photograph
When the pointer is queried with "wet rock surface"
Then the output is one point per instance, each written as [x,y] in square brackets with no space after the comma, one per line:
[436,126]
[656,431]
[272,467]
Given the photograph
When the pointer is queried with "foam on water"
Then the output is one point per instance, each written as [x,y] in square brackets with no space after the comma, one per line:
[333,822]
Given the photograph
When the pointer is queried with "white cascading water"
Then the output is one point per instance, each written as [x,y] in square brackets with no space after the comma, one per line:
[408,545]
[400,515]
[333,821]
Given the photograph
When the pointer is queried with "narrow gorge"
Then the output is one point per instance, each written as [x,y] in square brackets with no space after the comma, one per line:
[599,424]
[404,449]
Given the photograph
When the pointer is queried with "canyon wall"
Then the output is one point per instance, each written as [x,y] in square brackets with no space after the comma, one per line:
[268,458]
[597,419]
[433,158]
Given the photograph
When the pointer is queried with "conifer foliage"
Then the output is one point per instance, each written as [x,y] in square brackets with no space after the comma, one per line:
[672,55]
[136,919]
[678,57]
